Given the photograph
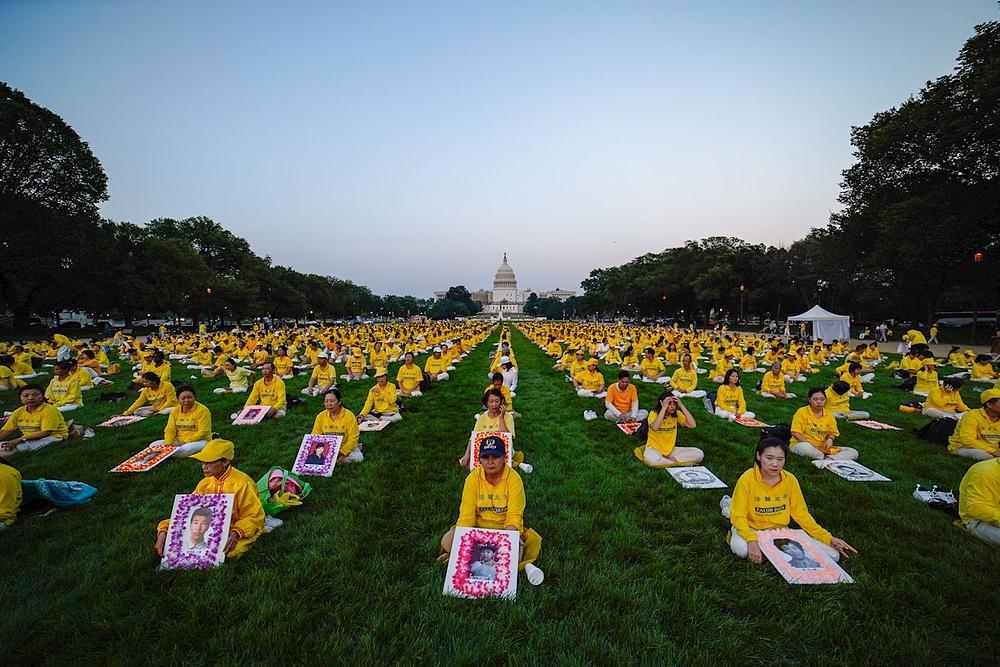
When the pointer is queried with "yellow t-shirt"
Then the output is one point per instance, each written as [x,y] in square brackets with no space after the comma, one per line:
[409,378]
[814,429]
[45,418]
[64,392]
[272,394]
[975,431]
[665,439]
[188,426]
[487,506]
[346,424]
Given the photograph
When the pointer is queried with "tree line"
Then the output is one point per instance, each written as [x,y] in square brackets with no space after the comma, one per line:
[917,232]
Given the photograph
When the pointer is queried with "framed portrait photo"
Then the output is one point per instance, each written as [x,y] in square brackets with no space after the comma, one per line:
[483,563]
[799,558]
[372,425]
[696,477]
[199,528]
[317,454]
[147,459]
[628,428]
[851,470]
[121,420]
[478,437]
[251,414]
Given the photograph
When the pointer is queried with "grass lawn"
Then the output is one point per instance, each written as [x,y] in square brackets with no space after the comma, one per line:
[637,570]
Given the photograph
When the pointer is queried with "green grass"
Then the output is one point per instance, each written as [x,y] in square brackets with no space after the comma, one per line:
[637,569]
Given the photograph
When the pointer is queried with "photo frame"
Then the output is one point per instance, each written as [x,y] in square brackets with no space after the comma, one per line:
[476,439]
[474,572]
[146,460]
[198,531]
[754,423]
[311,460]
[369,425]
[851,470]
[250,415]
[628,428]
[797,558]
[121,420]
[696,477]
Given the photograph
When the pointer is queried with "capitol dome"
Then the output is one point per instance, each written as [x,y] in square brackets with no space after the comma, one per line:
[504,278]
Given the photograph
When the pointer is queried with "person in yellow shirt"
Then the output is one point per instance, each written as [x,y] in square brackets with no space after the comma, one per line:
[945,400]
[8,380]
[814,431]
[435,368]
[590,383]
[381,401]
[378,358]
[685,380]
[269,391]
[239,378]
[772,384]
[661,450]
[39,423]
[977,435]
[200,360]
[577,365]
[89,370]
[729,400]
[409,377]
[283,364]
[979,500]
[722,365]
[496,417]
[161,397]
[493,497]
[622,401]
[838,402]
[355,365]
[189,426]
[10,494]
[159,365]
[630,360]
[853,378]
[63,391]
[652,369]
[86,381]
[927,377]
[247,522]
[748,362]
[613,357]
[323,377]
[498,384]
[767,497]
[553,349]
[338,420]
[790,367]
[982,370]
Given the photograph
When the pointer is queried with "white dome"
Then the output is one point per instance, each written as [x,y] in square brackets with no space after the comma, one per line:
[504,278]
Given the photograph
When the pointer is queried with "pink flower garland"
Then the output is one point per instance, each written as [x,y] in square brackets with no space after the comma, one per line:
[475,588]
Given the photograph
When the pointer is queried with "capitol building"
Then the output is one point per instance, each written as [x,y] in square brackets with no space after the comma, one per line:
[505,298]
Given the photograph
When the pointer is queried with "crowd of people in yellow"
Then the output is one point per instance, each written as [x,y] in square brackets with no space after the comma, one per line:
[258,362]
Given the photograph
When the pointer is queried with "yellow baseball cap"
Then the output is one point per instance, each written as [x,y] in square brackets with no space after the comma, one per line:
[223,449]
[379,372]
[591,362]
[989,395]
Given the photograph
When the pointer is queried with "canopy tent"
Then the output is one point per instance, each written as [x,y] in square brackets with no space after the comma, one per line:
[826,325]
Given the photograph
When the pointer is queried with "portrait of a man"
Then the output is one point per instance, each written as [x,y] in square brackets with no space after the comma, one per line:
[201,520]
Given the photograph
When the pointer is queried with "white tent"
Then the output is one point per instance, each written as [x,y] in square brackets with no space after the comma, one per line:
[826,325]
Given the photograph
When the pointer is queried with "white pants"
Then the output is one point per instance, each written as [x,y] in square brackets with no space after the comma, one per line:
[315,391]
[679,455]
[414,393]
[984,531]
[228,390]
[659,380]
[852,414]
[68,408]
[37,443]
[807,450]
[868,377]
[586,393]
[739,546]
[767,394]
[641,415]
[384,416]
[797,378]
[26,377]
[355,456]
[984,380]
[938,414]
[441,376]
[63,354]
[184,450]
[973,453]
[726,414]
[148,411]
[694,393]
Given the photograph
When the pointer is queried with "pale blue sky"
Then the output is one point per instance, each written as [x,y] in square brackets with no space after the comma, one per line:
[405,146]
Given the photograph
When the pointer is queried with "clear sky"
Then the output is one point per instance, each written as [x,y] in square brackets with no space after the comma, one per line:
[407,145]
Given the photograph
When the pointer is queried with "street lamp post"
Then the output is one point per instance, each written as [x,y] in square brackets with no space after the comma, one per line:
[976,259]
[742,289]
[208,291]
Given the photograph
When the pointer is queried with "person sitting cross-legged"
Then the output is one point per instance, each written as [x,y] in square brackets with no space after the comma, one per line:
[493,497]
[661,448]
[977,434]
[814,430]
[590,383]
[247,522]
[622,401]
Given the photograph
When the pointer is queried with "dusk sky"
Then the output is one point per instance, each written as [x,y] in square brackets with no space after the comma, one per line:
[406,146]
